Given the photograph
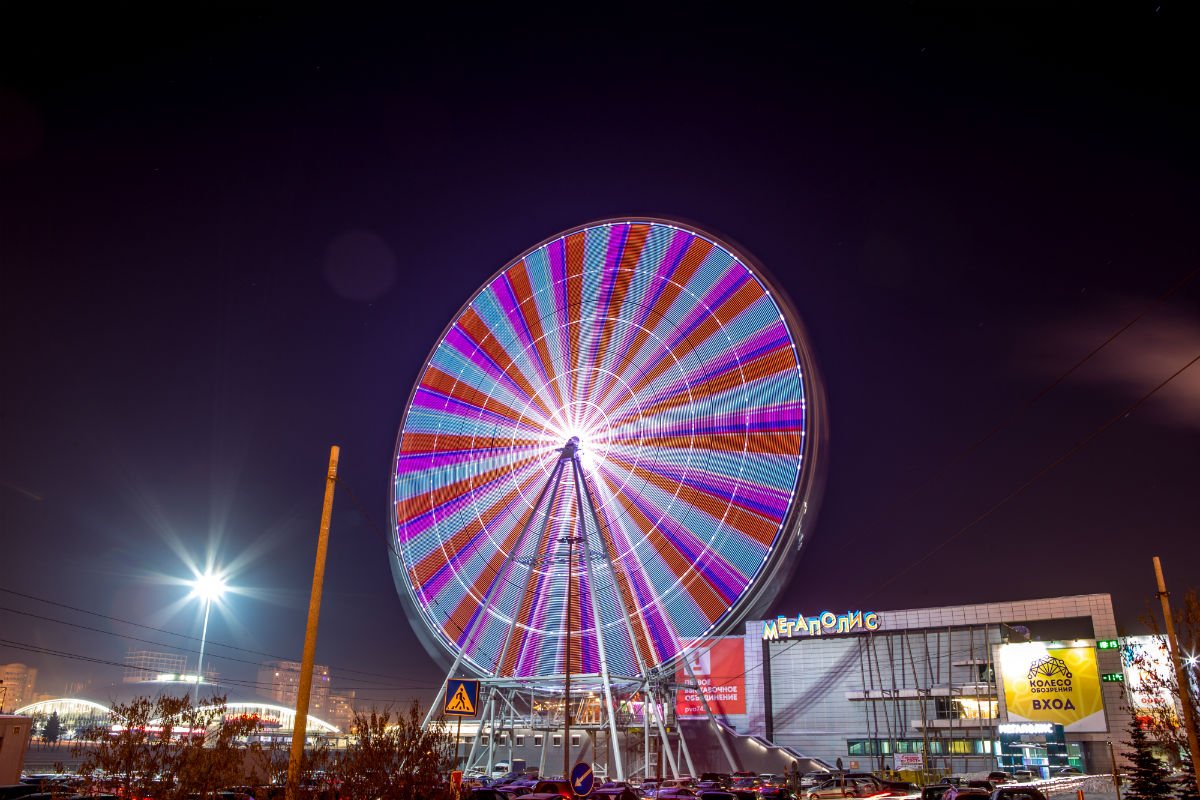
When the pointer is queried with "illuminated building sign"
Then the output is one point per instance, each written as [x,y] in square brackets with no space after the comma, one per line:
[1045,683]
[1113,677]
[1017,728]
[1107,644]
[826,623]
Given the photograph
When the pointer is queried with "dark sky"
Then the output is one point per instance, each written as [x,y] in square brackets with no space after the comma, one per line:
[228,240]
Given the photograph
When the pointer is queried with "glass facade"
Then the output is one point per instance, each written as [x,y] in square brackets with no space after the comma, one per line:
[923,681]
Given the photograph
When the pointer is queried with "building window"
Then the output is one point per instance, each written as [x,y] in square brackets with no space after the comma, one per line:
[502,739]
[537,740]
[556,740]
[520,740]
[860,747]
[483,740]
[574,740]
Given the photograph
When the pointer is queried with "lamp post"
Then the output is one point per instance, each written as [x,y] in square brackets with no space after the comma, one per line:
[570,541]
[207,587]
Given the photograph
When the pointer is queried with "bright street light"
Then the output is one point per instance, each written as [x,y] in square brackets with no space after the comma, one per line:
[207,587]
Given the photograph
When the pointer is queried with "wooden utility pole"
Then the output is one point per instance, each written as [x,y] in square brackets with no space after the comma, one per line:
[1181,676]
[300,728]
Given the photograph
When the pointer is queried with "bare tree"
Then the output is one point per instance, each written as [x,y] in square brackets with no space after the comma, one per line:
[167,748]
[392,757]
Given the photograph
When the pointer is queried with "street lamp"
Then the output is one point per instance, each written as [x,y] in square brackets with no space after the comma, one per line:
[207,587]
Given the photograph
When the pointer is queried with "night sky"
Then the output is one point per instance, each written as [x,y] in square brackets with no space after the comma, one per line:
[228,240]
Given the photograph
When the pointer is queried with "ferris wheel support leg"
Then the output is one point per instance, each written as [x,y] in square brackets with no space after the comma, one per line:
[687,754]
[646,731]
[663,738]
[633,642]
[542,757]
[712,719]
[491,751]
[475,742]
[610,709]
[555,477]
[441,695]
[612,568]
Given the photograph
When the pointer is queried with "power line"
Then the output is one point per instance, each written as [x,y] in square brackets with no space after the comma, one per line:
[1046,469]
[241,683]
[156,644]
[210,642]
[1041,393]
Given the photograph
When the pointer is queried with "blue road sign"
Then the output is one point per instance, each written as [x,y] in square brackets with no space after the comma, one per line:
[462,697]
[582,779]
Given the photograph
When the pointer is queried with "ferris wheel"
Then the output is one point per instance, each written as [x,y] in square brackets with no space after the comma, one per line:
[608,456]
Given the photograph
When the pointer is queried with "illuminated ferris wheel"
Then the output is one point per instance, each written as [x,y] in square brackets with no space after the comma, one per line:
[608,456]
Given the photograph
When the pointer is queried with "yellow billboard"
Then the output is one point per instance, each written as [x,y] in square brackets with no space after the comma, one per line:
[1052,684]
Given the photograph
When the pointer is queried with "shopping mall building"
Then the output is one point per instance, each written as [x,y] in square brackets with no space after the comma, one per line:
[1027,684]
[1032,684]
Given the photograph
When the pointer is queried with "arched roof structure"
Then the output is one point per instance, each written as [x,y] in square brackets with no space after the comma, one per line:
[282,717]
[273,716]
[65,706]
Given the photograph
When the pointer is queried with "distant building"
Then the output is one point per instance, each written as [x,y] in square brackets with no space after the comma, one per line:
[17,683]
[280,681]
[341,710]
[148,666]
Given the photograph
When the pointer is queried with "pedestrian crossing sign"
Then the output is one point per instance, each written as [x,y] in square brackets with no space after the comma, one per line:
[462,697]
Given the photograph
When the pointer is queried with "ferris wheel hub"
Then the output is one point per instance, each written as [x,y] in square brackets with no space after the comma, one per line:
[571,449]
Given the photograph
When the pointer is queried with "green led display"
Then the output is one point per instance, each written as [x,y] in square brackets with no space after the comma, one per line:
[1107,644]
[1113,677]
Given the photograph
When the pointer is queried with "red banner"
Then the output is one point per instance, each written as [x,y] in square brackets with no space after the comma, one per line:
[720,672]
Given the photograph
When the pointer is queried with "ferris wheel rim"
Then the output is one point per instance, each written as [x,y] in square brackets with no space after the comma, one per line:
[809,476]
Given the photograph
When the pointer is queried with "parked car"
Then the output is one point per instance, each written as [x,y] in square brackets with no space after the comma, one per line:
[560,788]
[716,794]
[1023,775]
[615,791]
[965,793]
[18,790]
[1017,793]
[1066,772]
[999,777]
[488,793]
[935,791]
[811,779]
[841,787]
[685,781]
[775,793]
